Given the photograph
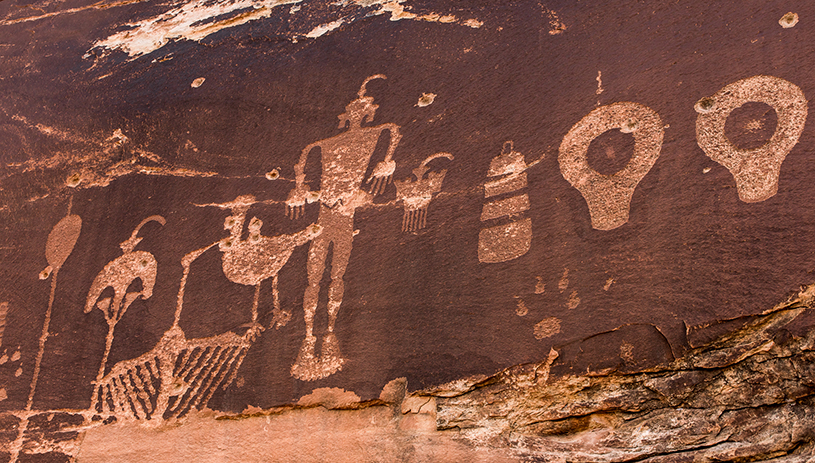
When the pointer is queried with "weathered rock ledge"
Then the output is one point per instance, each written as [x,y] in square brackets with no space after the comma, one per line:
[747,396]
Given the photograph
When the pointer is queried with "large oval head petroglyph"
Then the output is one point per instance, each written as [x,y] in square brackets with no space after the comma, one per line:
[755,170]
[609,196]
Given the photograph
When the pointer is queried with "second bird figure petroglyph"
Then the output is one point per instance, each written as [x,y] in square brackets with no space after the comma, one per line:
[257,258]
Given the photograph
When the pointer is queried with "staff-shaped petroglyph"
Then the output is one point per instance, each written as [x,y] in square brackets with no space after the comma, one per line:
[609,196]
[416,195]
[345,159]
[755,170]
[58,247]
[119,274]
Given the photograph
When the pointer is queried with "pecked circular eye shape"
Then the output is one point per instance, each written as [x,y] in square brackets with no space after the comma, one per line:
[610,152]
[255,224]
[229,222]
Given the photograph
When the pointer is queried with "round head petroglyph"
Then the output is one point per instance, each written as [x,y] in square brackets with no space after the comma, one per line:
[755,170]
[609,196]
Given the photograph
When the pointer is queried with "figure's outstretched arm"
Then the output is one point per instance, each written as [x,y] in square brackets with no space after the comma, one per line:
[383,172]
[295,203]
[301,164]
[395,137]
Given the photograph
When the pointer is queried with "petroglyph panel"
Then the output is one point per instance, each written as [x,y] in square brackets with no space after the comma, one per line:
[227,208]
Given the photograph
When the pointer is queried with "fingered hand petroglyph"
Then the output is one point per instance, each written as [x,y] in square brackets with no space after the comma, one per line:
[609,196]
[381,176]
[298,198]
[416,195]
[756,170]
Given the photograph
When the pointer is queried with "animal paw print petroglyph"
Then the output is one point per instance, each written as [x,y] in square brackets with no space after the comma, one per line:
[12,361]
[549,326]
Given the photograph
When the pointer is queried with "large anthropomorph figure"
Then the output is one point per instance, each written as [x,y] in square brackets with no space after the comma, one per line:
[345,159]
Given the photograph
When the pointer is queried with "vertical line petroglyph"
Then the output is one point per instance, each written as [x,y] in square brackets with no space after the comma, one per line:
[58,247]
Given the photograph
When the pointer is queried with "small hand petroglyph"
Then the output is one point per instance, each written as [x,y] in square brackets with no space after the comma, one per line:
[416,195]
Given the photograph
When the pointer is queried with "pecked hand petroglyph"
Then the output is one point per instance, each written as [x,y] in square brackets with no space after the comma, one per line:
[416,195]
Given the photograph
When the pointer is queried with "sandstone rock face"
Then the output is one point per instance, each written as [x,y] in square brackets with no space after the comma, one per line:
[399,230]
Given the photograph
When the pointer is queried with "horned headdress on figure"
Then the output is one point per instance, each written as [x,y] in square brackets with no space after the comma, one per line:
[363,108]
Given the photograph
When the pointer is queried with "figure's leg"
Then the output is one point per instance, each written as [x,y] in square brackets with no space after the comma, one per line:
[306,366]
[339,262]
[330,355]
[315,267]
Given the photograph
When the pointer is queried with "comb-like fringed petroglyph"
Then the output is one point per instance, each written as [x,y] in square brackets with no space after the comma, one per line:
[416,195]
[181,374]
[756,170]
[345,159]
[506,241]
[609,196]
